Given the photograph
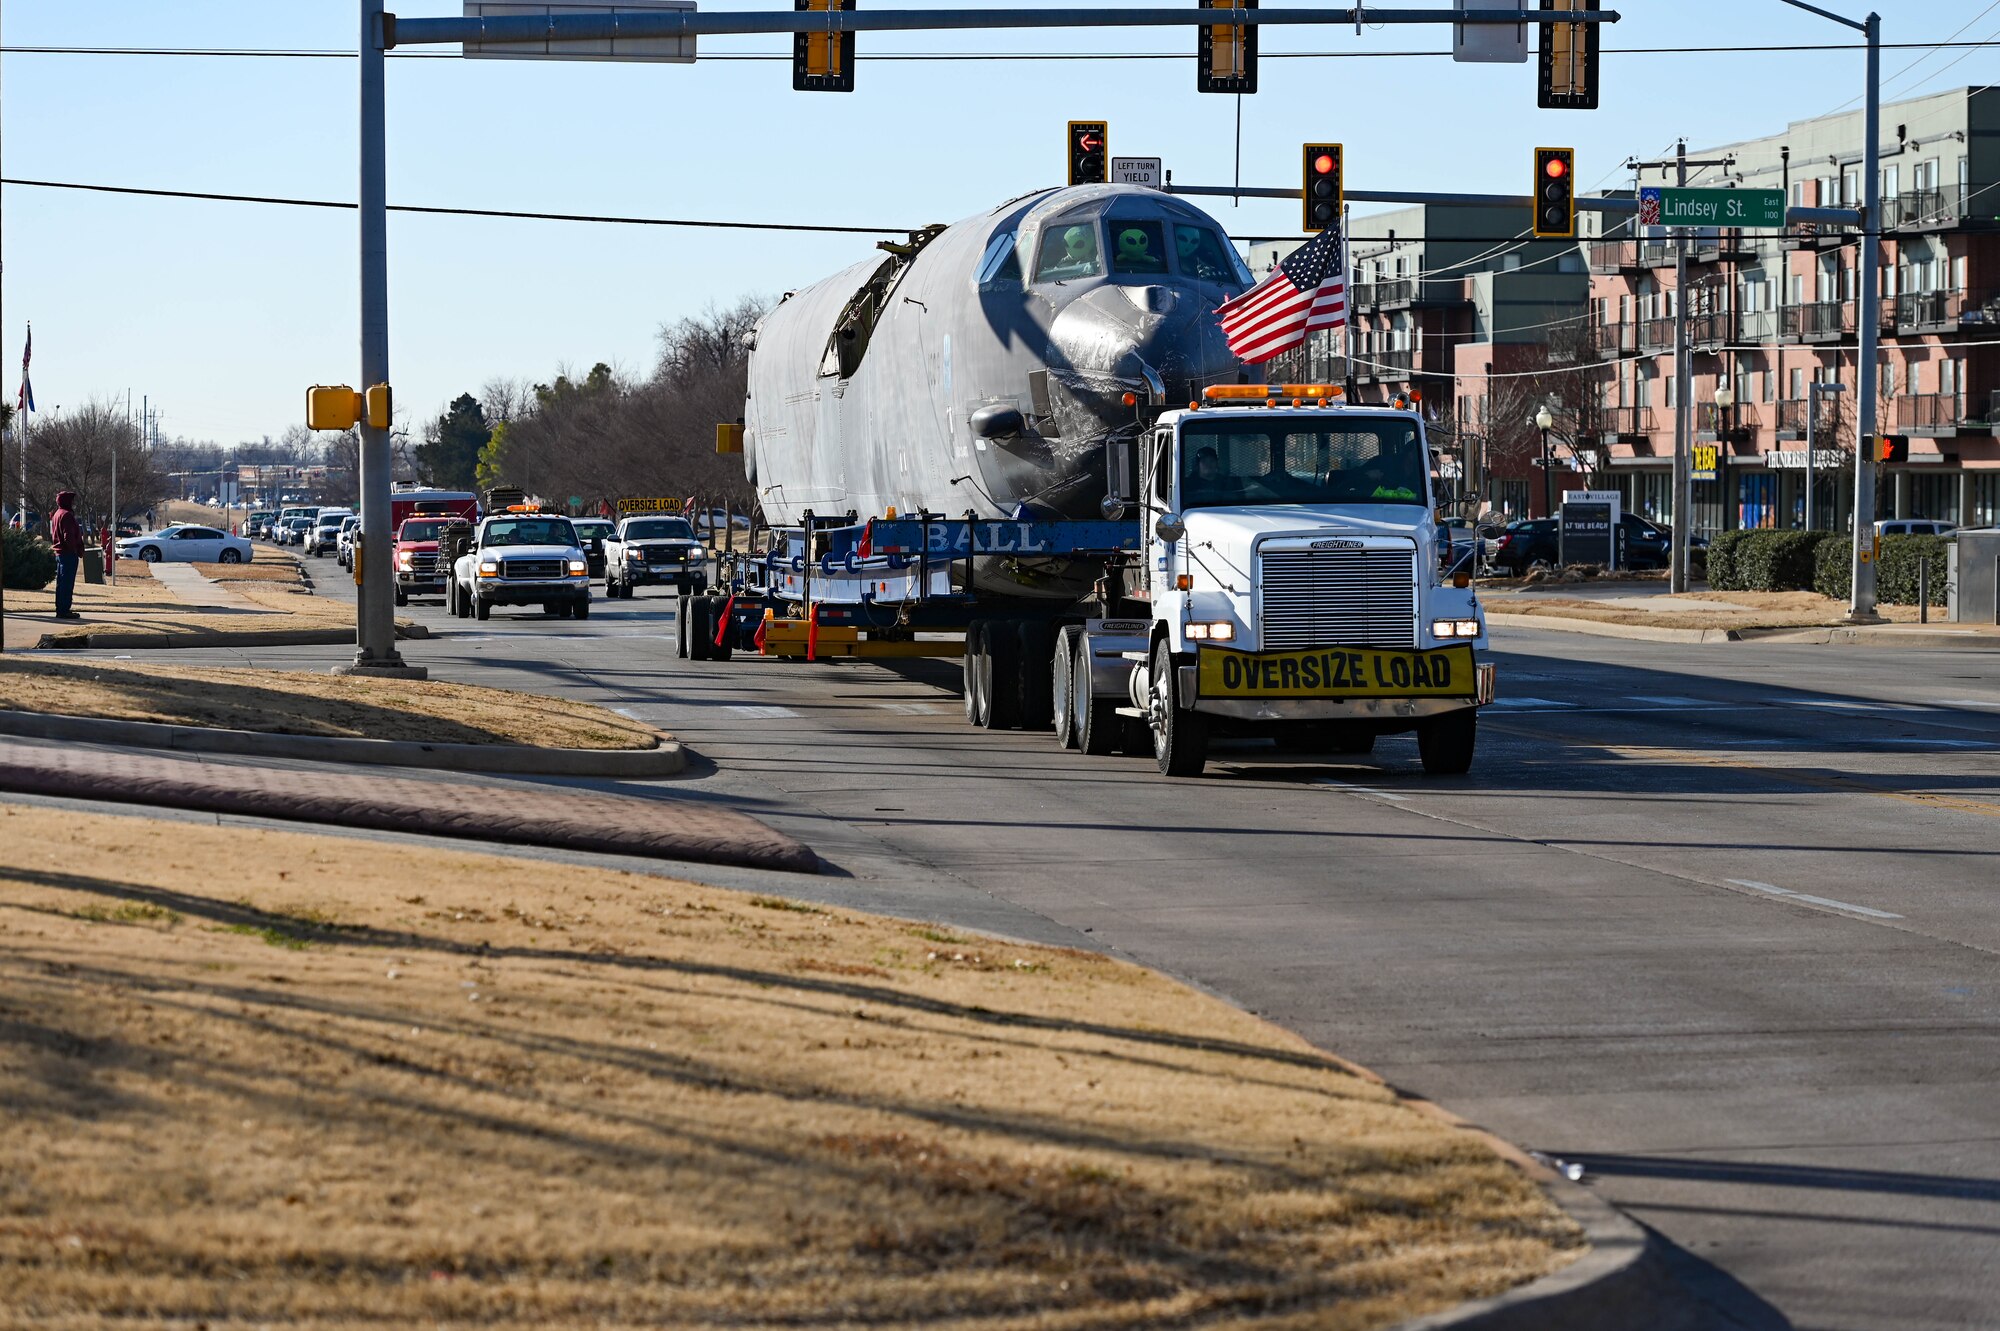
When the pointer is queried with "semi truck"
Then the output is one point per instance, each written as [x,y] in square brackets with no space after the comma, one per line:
[1269,561]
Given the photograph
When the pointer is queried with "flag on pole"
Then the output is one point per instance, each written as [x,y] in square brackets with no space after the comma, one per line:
[25,399]
[1307,292]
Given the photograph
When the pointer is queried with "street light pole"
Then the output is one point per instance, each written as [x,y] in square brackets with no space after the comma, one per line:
[1544,418]
[1725,427]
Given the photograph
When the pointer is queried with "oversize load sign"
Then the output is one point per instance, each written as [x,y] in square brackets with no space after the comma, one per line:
[1337,672]
[649,506]
[1662,206]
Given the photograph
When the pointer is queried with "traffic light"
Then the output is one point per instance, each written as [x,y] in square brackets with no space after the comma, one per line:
[1323,190]
[1089,152]
[1568,79]
[823,61]
[1889,447]
[1226,54]
[1555,193]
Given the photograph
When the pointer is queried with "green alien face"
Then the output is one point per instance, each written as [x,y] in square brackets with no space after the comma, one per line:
[1132,244]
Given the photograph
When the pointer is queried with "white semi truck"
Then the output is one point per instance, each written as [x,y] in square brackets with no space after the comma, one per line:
[1287,577]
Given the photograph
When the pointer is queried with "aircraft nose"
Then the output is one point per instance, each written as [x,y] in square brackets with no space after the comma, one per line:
[1112,333]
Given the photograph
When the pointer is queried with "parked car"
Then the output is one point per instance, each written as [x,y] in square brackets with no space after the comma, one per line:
[1520,544]
[343,544]
[186,544]
[590,534]
[1913,527]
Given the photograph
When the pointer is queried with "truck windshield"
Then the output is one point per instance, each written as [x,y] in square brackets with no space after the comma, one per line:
[529,531]
[1242,460]
[659,529]
[421,530]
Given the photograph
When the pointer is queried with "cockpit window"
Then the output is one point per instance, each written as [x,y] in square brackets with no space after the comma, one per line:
[1204,257]
[1069,252]
[1001,262]
[1138,247]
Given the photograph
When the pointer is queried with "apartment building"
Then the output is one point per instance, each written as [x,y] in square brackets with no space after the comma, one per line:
[1771,314]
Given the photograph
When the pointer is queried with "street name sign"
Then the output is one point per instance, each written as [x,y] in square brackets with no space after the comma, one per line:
[1136,171]
[1664,206]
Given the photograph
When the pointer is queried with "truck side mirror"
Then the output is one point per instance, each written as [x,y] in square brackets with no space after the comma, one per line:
[1169,527]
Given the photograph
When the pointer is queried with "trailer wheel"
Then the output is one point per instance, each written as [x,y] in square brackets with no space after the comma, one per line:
[699,634]
[1095,720]
[1445,743]
[1001,674]
[1180,736]
[975,655]
[1036,645]
[481,610]
[1062,685]
[681,628]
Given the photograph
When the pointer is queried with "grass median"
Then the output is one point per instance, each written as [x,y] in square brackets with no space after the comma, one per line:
[261,1077]
[293,702]
[1696,610]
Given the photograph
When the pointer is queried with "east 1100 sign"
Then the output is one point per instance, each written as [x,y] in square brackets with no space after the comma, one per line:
[1711,207]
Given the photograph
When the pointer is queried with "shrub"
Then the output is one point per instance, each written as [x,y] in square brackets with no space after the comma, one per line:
[1764,561]
[1833,567]
[1896,567]
[31,564]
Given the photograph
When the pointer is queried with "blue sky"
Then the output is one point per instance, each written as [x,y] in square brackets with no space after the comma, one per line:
[223,313]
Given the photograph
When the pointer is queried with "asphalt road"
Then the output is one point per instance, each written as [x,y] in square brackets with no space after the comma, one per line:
[1718,922]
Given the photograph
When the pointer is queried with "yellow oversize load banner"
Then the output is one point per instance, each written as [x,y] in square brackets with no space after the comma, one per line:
[630,505]
[1338,672]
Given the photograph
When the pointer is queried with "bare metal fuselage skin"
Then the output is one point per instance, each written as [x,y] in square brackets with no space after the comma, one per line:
[867,390]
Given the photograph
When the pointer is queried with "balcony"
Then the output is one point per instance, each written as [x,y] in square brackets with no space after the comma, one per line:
[1656,254]
[1792,419]
[1930,413]
[1709,332]
[1813,236]
[1726,245]
[1384,366]
[1627,422]
[1615,256]
[1822,321]
[1611,341]
[1942,311]
[1939,209]
[1756,325]
[1656,335]
[1383,295]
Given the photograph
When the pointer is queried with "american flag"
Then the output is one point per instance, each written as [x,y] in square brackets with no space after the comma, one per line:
[25,399]
[1307,291]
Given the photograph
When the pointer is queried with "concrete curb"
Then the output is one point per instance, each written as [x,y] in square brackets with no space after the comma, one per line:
[165,641]
[1620,1283]
[668,759]
[1966,639]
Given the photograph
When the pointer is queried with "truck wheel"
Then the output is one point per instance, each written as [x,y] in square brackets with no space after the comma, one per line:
[1445,743]
[975,673]
[681,628]
[1180,736]
[1036,646]
[1062,685]
[1354,740]
[700,632]
[402,598]
[1095,720]
[481,609]
[579,609]
[1001,674]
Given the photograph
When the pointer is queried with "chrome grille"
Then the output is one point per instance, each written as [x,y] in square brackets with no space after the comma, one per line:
[531,568]
[424,564]
[1321,598]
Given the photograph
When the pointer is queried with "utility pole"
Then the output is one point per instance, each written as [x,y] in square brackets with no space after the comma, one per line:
[1868,318]
[1683,373]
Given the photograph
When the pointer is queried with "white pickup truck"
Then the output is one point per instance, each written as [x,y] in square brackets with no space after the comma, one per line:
[654,551]
[521,556]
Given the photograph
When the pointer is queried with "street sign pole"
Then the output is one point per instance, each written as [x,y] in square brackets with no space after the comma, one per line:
[1862,607]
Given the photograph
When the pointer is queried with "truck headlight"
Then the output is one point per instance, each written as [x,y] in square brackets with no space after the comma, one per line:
[577,566]
[1454,628]
[489,568]
[1219,630]
[402,559]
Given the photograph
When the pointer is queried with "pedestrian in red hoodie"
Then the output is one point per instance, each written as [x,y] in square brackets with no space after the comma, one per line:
[66,534]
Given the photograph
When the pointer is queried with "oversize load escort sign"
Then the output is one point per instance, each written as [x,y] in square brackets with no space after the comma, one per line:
[648,506]
[1337,672]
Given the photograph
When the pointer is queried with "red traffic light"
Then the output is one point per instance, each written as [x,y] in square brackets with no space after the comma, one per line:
[1323,164]
[1556,168]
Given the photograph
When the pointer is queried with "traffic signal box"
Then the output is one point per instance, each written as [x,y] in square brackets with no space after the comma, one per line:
[1226,54]
[823,61]
[1089,152]
[1568,75]
[1889,448]
[1323,190]
[1555,193]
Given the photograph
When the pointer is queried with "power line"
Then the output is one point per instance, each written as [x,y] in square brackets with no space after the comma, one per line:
[464,212]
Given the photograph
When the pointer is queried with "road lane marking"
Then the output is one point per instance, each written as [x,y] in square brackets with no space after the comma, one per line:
[1532,702]
[1797,777]
[1842,703]
[1354,789]
[911,708]
[1787,893]
[760,712]
[1668,700]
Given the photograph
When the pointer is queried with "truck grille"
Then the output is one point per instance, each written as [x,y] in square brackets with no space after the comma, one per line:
[423,565]
[532,569]
[1322,598]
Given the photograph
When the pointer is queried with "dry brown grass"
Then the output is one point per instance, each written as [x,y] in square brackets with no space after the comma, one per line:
[1762,610]
[258,1077]
[294,702]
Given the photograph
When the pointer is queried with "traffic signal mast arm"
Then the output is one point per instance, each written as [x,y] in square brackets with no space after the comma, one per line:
[1837,216]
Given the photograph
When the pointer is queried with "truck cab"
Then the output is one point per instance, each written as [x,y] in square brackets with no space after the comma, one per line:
[521,556]
[1298,582]
[420,568]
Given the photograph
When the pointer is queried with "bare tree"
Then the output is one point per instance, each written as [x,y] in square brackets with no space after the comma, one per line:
[75,451]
